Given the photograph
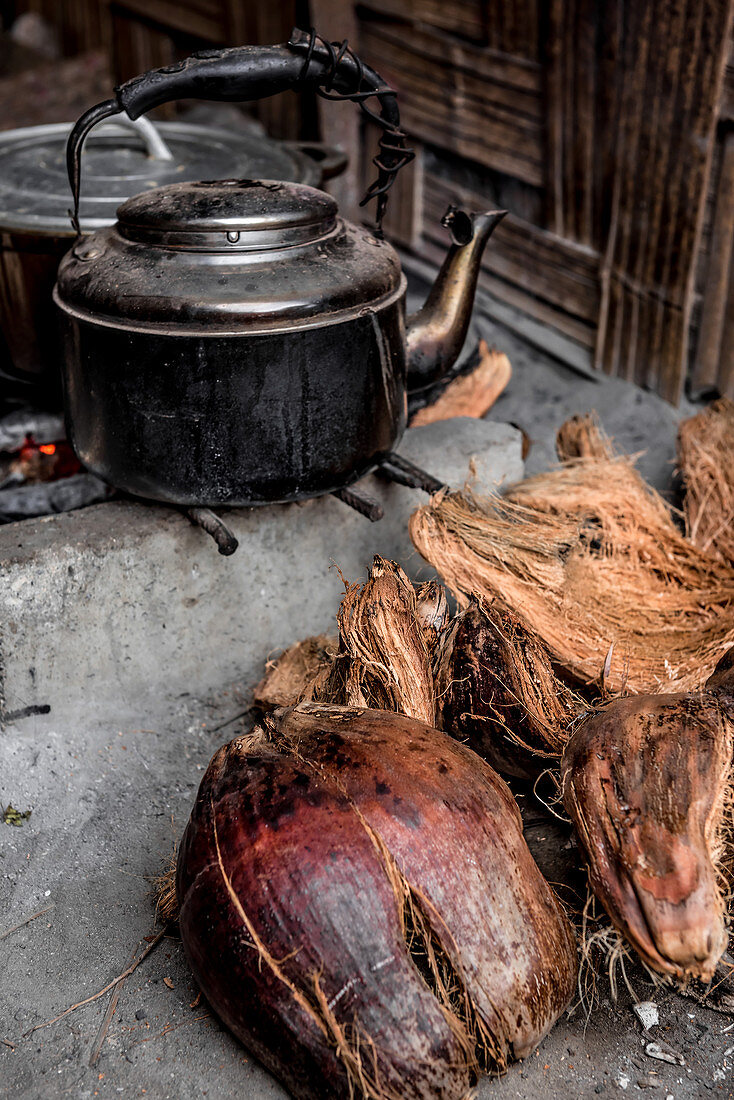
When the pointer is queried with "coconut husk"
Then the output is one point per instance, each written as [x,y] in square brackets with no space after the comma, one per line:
[471,394]
[496,688]
[706,463]
[646,781]
[590,559]
[386,638]
[432,612]
[416,942]
[297,675]
[582,436]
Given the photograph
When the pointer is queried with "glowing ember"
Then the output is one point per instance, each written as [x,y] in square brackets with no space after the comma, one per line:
[46,461]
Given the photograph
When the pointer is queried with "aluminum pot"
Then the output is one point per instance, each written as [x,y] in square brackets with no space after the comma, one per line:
[235,341]
[121,159]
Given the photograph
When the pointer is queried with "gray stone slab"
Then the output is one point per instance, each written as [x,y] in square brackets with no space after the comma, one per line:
[116,600]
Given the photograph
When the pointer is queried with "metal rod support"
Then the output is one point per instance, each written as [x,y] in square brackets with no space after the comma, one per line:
[396,468]
[361,503]
[214,526]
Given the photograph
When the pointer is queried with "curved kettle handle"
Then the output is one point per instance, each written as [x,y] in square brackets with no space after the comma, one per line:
[245,73]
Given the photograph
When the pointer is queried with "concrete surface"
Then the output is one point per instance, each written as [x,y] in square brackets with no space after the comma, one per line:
[109,798]
[117,599]
[110,774]
[543,393]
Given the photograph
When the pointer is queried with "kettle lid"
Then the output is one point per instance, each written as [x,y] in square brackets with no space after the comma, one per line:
[229,215]
[232,257]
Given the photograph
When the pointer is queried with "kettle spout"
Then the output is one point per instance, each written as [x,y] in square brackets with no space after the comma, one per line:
[435,335]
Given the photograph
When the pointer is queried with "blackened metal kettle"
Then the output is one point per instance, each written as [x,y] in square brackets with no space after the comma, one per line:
[235,341]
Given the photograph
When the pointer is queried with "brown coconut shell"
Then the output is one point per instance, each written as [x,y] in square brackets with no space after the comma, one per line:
[591,560]
[646,782]
[471,394]
[496,688]
[359,906]
[298,674]
[706,463]
[387,634]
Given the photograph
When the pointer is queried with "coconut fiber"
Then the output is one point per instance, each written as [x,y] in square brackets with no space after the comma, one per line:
[706,463]
[590,559]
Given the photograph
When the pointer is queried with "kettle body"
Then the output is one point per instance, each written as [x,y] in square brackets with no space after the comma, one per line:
[232,342]
[197,420]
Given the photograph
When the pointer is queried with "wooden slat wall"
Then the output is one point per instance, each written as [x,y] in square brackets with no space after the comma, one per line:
[605,128]
[144,34]
[474,102]
[726,112]
[529,269]
[607,113]
[562,274]
[83,24]
[581,110]
[205,19]
[713,364]
[466,18]
[266,24]
[673,59]
[511,28]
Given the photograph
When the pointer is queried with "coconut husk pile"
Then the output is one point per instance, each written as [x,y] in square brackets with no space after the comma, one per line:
[706,463]
[589,557]
[354,891]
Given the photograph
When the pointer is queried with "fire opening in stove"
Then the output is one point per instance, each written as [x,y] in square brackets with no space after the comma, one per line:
[39,472]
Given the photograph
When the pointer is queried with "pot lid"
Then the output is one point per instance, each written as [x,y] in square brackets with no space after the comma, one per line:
[229,215]
[117,163]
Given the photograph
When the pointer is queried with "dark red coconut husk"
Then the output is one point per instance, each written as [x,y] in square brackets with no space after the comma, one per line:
[646,782]
[359,905]
[496,688]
